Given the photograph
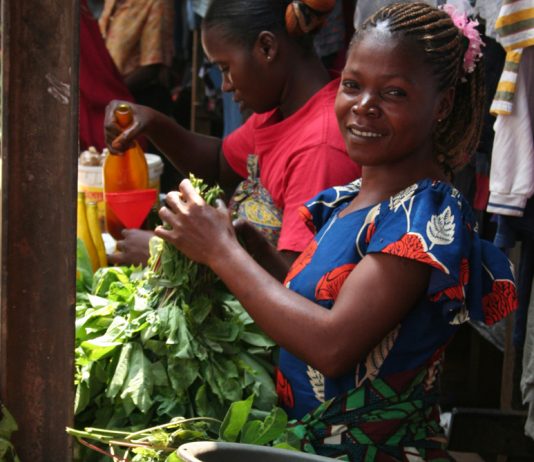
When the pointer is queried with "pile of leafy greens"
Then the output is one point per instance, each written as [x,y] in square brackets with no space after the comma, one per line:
[159,443]
[164,341]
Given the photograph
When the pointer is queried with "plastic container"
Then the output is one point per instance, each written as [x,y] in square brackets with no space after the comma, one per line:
[90,181]
[209,451]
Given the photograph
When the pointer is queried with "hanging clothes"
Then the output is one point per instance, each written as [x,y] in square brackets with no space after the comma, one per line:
[512,169]
[512,164]
[488,10]
[515,31]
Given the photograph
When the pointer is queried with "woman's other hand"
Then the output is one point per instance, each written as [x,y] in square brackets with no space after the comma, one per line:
[119,139]
[200,231]
[256,244]
[133,249]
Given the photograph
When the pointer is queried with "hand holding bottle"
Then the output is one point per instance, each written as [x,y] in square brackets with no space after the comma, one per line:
[120,138]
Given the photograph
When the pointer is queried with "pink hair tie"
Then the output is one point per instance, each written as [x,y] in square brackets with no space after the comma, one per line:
[468,29]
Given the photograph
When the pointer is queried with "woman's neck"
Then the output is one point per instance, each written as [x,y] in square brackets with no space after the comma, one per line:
[380,183]
[307,79]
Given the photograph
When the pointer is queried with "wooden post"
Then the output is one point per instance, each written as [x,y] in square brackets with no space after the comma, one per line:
[40,40]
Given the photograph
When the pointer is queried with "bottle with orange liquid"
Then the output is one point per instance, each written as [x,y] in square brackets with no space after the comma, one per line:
[127,171]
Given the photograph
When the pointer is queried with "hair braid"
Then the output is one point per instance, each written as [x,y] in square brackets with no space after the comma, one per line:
[456,137]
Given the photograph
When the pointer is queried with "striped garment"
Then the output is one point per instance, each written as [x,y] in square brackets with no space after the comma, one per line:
[515,30]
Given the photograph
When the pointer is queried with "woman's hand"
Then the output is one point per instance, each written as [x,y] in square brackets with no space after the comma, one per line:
[202,232]
[118,139]
[133,249]
[256,244]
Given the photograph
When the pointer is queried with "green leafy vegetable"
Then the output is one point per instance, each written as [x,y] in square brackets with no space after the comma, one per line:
[159,443]
[164,341]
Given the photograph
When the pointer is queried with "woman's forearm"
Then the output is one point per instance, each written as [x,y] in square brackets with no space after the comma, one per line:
[291,320]
[188,151]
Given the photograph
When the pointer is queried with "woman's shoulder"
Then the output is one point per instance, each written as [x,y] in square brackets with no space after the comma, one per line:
[434,195]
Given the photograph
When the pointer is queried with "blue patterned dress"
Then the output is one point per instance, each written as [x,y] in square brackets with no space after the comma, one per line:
[386,408]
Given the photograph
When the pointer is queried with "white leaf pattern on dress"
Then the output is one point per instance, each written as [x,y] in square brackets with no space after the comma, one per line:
[440,229]
[317,383]
[377,356]
[461,317]
[371,216]
[341,194]
[398,199]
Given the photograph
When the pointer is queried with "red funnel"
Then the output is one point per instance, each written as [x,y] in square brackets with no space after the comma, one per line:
[131,207]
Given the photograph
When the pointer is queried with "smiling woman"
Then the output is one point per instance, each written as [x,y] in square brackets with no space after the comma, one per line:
[289,149]
[396,264]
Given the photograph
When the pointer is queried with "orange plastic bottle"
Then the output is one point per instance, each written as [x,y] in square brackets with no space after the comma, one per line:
[127,171]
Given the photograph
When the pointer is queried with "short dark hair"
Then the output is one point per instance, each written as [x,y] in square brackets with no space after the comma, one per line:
[241,21]
[456,137]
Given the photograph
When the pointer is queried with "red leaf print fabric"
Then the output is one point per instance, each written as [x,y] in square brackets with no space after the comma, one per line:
[370,231]
[307,217]
[413,246]
[330,284]
[501,301]
[302,260]
[456,292]
[284,390]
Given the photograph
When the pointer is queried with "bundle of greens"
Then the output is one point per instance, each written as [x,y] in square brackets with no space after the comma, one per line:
[164,341]
[159,443]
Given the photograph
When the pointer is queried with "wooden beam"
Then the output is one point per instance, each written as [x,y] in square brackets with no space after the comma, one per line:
[40,43]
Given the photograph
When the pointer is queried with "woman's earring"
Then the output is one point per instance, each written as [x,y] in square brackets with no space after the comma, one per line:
[268,58]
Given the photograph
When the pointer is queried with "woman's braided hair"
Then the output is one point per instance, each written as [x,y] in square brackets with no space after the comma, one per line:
[242,20]
[457,136]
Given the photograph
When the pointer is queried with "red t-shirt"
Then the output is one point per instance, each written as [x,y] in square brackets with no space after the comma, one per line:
[298,157]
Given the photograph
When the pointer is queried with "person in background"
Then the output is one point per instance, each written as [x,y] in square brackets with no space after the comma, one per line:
[139,37]
[100,81]
[286,152]
[396,264]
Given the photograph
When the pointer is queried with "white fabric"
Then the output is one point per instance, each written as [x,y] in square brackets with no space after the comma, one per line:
[489,10]
[512,159]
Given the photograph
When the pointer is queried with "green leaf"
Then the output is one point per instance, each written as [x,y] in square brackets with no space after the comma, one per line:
[106,277]
[159,375]
[7,451]
[271,428]
[173,458]
[98,348]
[221,331]
[7,423]
[255,337]
[182,373]
[84,269]
[138,384]
[82,398]
[235,419]
[287,446]
[121,371]
[266,396]
[200,308]
[250,431]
